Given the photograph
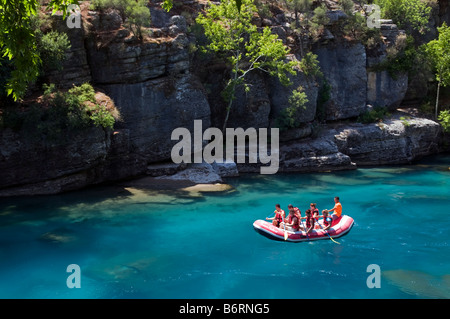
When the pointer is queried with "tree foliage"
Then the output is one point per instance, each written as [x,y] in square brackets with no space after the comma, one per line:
[232,36]
[134,12]
[444,119]
[438,51]
[18,41]
[412,14]
[288,118]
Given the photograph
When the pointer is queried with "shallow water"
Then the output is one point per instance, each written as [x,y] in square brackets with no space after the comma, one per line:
[134,243]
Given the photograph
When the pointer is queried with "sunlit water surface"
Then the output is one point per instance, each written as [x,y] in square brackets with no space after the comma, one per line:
[137,243]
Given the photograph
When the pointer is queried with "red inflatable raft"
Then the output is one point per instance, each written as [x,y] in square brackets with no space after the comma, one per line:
[339,227]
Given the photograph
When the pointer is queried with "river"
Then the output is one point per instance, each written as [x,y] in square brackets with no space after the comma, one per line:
[142,243]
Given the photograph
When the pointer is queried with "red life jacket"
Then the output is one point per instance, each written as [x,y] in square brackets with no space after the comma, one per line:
[314,211]
[297,212]
[325,222]
[295,225]
[279,216]
[309,220]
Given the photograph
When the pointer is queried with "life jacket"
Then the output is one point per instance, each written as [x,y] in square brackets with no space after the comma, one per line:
[295,225]
[325,222]
[279,216]
[314,211]
[308,221]
[297,212]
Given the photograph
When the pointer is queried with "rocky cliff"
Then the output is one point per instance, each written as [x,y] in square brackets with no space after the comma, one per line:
[157,87]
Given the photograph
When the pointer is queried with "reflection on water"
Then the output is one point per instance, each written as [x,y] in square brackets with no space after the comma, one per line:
[138,242]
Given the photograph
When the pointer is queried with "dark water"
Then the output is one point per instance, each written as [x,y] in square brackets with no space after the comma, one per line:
[134,243]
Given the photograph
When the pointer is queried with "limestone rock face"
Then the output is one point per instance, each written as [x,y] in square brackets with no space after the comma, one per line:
[251,109]
[393,142]
[319,154]
[279,96]
[151,110]
[24,161]
[384,90]
[344,67]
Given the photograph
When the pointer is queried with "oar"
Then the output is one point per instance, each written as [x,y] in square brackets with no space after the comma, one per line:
[326,231]
[270,215]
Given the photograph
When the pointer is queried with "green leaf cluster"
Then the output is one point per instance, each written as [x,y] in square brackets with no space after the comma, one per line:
[288,118]
[412,14]
[444,120]
[376,114]
[438,51]
[18,41]
[135,13]
[60,115]
[233,37]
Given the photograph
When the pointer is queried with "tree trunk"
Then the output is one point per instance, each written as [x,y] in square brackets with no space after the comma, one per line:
[437,100]
[229,106]
[230,103]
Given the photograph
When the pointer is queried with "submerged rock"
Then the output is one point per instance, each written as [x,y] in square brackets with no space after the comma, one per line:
[60,236]
[418,283]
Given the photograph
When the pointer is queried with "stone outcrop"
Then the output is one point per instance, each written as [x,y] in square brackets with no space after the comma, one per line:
[384,90]
[151,110]
[279,96]
[344,66]
[391,142]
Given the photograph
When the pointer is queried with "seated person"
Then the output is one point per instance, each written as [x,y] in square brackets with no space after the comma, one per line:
[327,220]
[279,216]
[310,221]
[337,209]
[292,220]
[315,214]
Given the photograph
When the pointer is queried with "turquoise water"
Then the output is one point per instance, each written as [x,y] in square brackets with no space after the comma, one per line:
[134,243]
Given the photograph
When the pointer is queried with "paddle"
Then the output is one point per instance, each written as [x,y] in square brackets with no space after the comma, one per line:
[326,231]
[285,233]
[270,215]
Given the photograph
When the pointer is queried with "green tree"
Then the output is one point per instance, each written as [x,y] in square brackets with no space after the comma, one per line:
[439,53]
[412,14]
[444,119]
[18,41]
[134,13]
[232,36]
[288,118]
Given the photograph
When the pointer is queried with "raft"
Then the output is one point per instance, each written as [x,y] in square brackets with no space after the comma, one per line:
[340,226]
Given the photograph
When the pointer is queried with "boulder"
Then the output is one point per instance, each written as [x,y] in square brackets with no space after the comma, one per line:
[226,169]
[202,173]
[395,141]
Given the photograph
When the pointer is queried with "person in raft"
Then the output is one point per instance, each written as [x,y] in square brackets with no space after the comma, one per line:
[327,220]
[310,221]
[337,209]
[279,216]
[293,219]
[297,211]
[315,213]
